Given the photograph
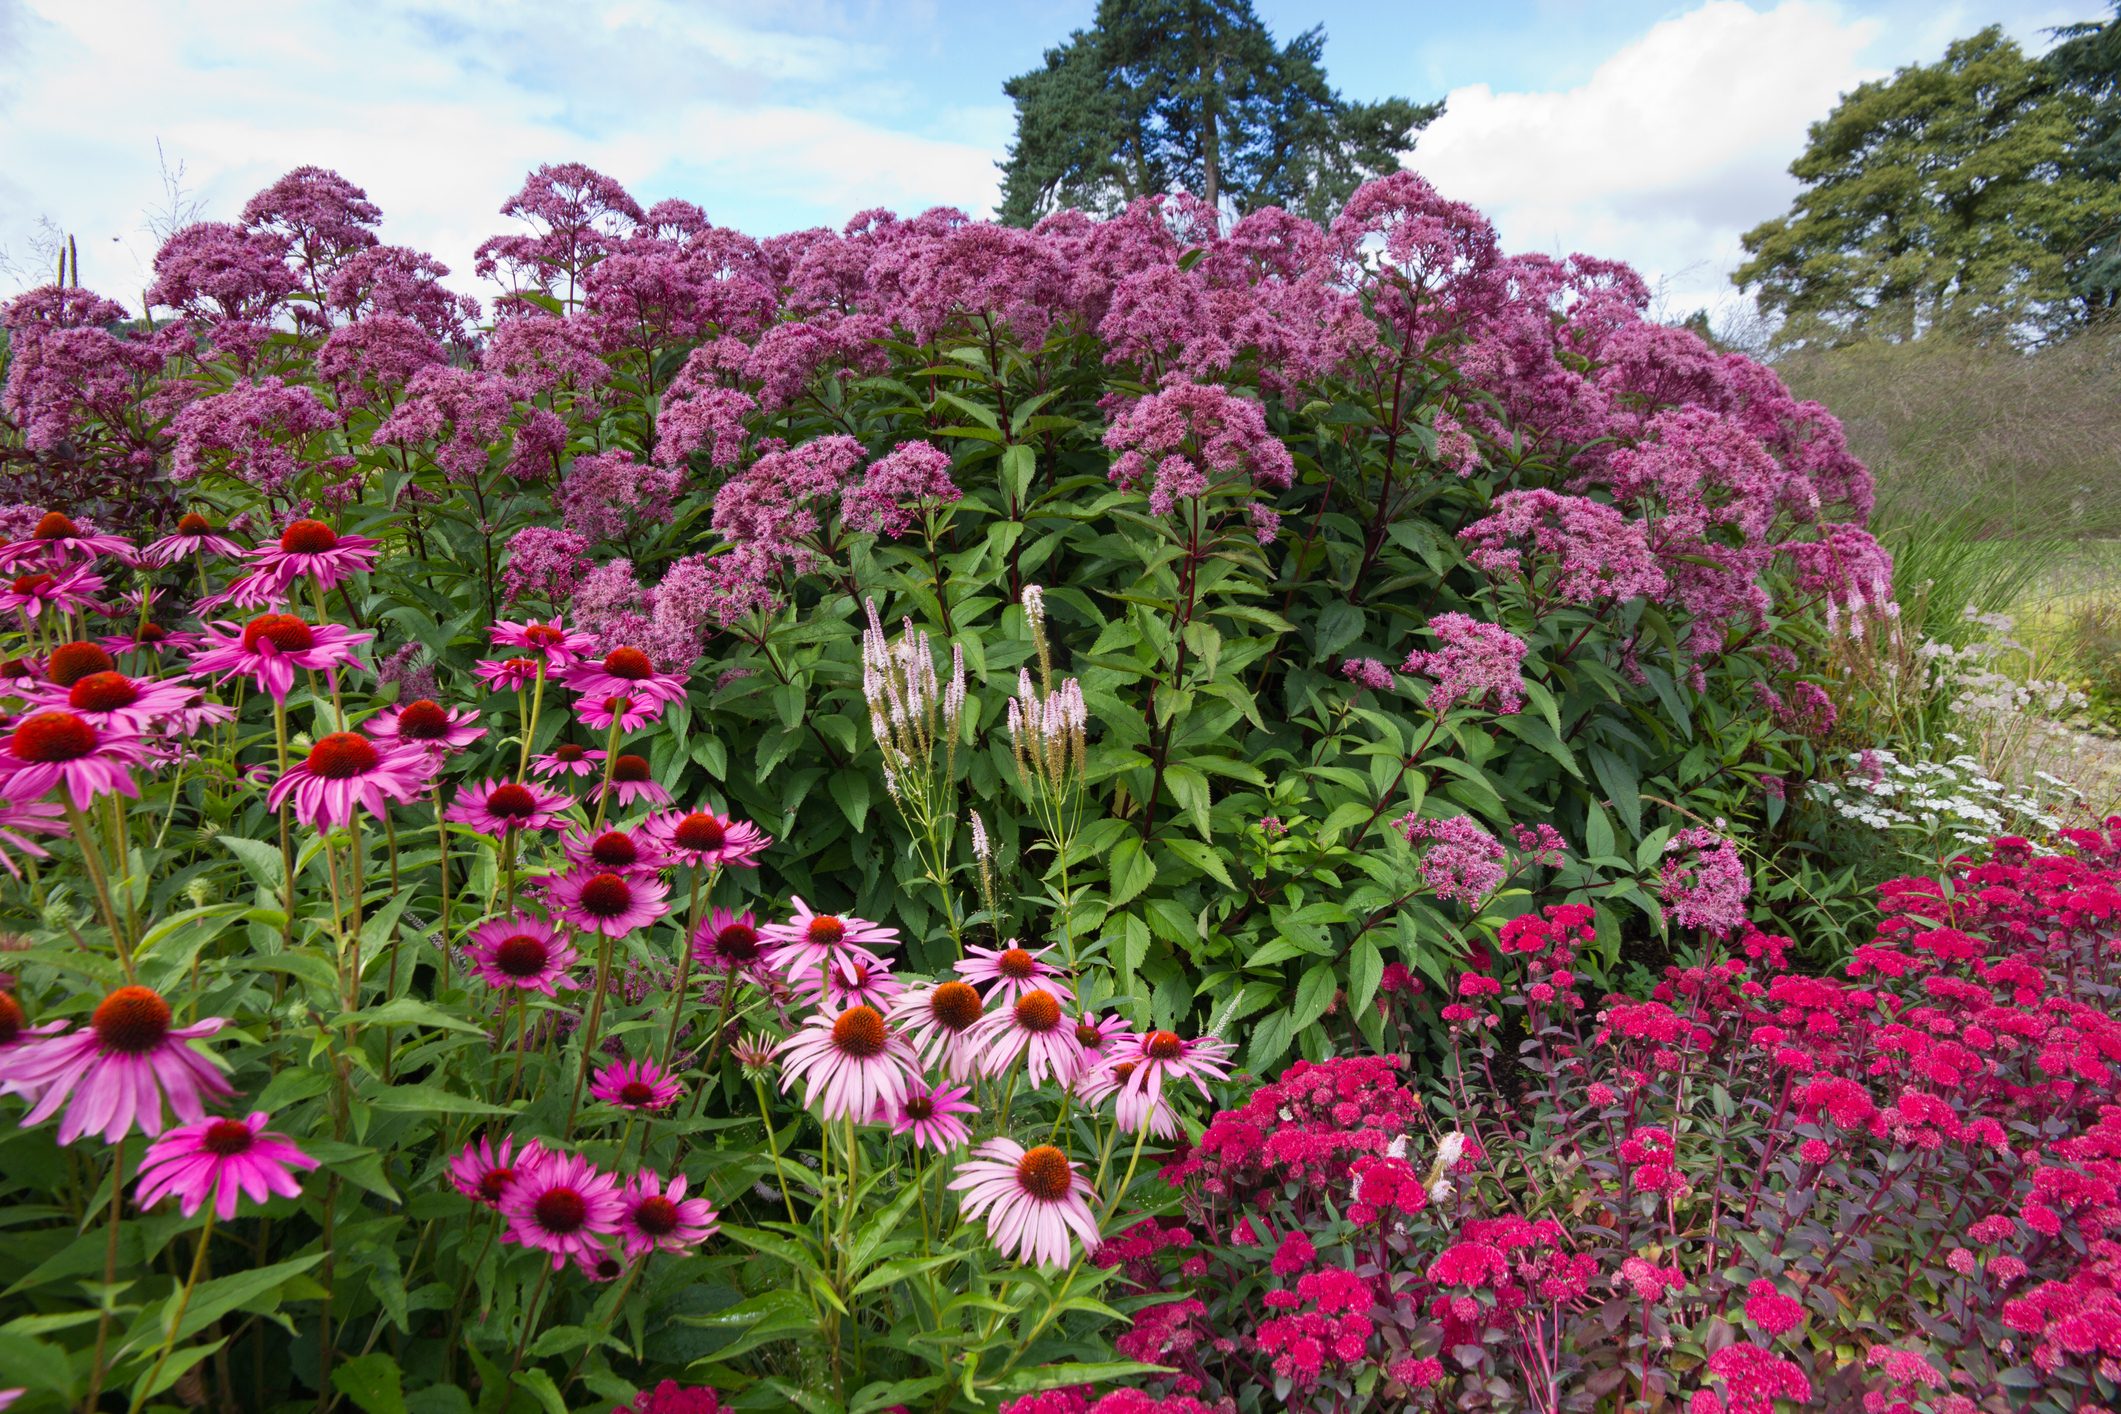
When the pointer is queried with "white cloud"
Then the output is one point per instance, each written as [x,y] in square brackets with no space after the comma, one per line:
[1667,153]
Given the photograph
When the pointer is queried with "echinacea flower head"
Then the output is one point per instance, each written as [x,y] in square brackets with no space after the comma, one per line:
[941,1020]
[856,975]
[482,1172]
[619,709]
[217,1160]
[636,1085]
[71,662]
[312,550]
[62,589]
[606,902]
[626,670]
[933,1115]
[658,1217]
[1133,1110]
[1033,1199]
[1165,1056]
[19,822]
[707,840]
[851,1063]
[806,942]
[346,772]
[494,807]
[622,851]
[522,952]
[1006,973]
[562,1204]
[194,535]
[1035,1028]
[567,759]
[269,648]
[427,723]
[631,781]
[58,538]
[152,639]
[1101,1037]
[58,748]
[508,674]
[726,941]
[557,644]
[115,1074]
[115,702]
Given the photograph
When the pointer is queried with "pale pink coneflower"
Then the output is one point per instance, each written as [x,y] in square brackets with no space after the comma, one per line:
[113,701]
[1132,1109]
[218,1159]
[345,772]
[940,1020]
[627,670]
[660,1218]
[560,645]
[425,722]
[521,952]
[600,901]
[58,748]
[636,1085]
[1033,1028]
[623,851]
[855,976]
[1032,1200]
[808,940]
[507,674]
[632,783]
[1161,1056]
[933,1115]
[482,1173]
[567,759]
[114,1074]
[494,807]
[270,647]
[1005,974]
[1101,1037]
[19,822]
[707,840]
[619,709]
[312,550]
[562,1204]
[59,590]
[195,535]
[850,1063]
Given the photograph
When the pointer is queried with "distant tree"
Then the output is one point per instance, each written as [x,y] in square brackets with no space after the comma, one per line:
[2088,61]
[1948,196]
[1162,94]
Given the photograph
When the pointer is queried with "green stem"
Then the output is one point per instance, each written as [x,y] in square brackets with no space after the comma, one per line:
[176,1321]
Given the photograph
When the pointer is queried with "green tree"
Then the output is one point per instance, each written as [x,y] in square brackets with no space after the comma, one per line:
[1945,197]
[1162,94]
[2088,61]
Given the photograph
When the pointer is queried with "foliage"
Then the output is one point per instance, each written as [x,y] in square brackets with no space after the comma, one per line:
[2088,59]
[1194,95]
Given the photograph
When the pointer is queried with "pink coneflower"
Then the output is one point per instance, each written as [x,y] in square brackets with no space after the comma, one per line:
[933,1115]
[58,539]
[559,645]
[806,942]
[71,662]
[217,1159]
[1035,1028]
[270,647]
[562,1204]
[851,1061]
[1159,1056]
[427,723]
[63,591]
[621,851]
[941,1019]
[1133,1109]
[57,747]
[630,781]
[495,807]
[115,1073]
[626,670]
[195,535]
[114,702]
[256,590]
[599,1265]
[706,840]
[1007,973]
[482,1173]
[621,709]
[19,822]
[663,1219]
[1101,1037]
[600,901]
[152,638]
[507,674]
[1033,1199]
[636,1085]
[853,976]
[727,942]
[523,952]
[567,759]
[191,720]
[345,771]
[312,550]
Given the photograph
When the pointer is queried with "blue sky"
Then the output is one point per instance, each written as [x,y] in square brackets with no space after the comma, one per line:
[1652,132]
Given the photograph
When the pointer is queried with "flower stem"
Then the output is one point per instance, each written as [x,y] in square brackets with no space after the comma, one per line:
[176,1321]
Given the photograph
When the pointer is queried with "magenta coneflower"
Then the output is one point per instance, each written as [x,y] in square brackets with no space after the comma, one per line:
[270,647]
[636,1085]
[727,942]
[1133,1108]
[482,1173]
[621,851]
[63,591]
[153,639]
[1033,1199]
[807,941]
[495,807]
[850,1063]
[1100,1037]
[114,702]
[507,674]
[19,822]
[627,670]
[345,771]
[940,1019]
[57,747]
[427,723]
[1007,973]
[115,1073]
[562,1204]
[707,840]
[195,535]
[1033,1027]
[662,1219]
[71,662]
[1159,1056]
[560,646]
[933,1115]
[218,1158]
[630,781]
[854,976]
[600,901]
[312,550]
[521,951]
[58,539]
[622,710]
[567,759]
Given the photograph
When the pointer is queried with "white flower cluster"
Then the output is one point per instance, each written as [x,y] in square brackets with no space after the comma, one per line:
[1938,801]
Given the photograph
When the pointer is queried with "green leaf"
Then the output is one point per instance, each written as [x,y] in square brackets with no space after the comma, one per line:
[1621,785]
[771,1315]
[409,1011]
[1201,857]
[542,1389]
[1366,968]
[1270,1040]
[1339,624]
[1190,789]
[261,859]
[1131,870]
[850,788]
[211,1300]
[1313,995]
[1085,1372]
[430,1099]
[371,1382]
